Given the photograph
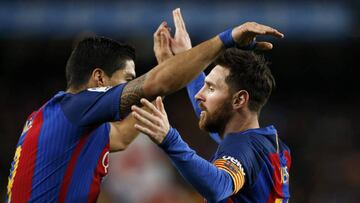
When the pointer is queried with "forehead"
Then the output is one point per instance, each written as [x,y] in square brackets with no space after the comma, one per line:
[129,67]
[217,75]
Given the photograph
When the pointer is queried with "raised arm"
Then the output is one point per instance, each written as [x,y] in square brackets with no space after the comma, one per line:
[166,46]
[177,71]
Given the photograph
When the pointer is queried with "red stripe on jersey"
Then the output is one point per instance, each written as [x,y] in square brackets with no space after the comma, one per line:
[288,159]
[100,171]
[22,186]
[229,201]
[276,191]
[70,168]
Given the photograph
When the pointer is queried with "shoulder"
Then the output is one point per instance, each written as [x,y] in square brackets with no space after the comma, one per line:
[235,142]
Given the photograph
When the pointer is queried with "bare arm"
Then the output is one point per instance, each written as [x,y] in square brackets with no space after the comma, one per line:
[177,71]
[122,133]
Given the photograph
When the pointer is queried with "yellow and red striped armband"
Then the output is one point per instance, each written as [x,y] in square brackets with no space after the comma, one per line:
[233,167]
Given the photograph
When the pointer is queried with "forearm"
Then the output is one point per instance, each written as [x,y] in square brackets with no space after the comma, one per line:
[212,183]
[177,71]
[122,133]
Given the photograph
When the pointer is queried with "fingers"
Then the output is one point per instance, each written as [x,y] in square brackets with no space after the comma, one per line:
[160,105]
[150,106]
[164,41]
[263,46]
[265,30]
[251,29]
[143,118]
[144,130]
[161,27]
[178,21]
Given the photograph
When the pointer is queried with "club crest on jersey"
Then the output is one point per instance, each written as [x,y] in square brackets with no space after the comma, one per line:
[230,161]
[28,125]
[99,89]
[284,175]
[105,162]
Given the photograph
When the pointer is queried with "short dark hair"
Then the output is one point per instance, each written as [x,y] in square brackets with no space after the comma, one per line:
[96,52]
[250,72]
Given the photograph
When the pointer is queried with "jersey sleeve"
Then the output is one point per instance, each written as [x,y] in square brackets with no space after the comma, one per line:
[192,89]
[211,182]
[93,106]
[239,160]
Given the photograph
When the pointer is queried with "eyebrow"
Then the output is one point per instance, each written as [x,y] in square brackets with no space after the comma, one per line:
[209,83]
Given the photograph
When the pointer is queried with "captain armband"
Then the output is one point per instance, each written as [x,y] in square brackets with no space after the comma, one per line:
[234,168]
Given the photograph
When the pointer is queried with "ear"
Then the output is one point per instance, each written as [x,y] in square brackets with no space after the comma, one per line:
[240,99]
[98,77]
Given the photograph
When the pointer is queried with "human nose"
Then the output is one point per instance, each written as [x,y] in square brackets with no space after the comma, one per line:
[199,96]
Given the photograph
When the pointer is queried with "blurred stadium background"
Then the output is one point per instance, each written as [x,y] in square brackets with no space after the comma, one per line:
[315,106]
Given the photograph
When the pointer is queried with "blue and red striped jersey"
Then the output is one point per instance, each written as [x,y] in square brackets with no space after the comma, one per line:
[256,154]
[264,161]
[62,154]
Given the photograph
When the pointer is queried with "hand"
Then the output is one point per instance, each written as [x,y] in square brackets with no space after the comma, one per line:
[153,121]
[181,41]
[244,34]
[162,43]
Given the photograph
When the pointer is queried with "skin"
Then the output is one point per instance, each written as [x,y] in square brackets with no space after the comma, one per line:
[222,110]
[122,133]
[214,101]
[167,77]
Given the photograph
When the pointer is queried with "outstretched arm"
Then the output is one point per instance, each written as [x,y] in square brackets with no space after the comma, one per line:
[122,133]
[213,183]
[177,71]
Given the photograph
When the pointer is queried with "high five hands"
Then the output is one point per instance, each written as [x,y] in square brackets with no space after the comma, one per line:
[165,46]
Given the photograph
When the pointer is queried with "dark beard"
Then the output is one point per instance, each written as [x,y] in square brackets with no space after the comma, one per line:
[215,123]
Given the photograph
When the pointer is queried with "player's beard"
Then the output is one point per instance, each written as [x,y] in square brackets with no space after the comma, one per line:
[215,122]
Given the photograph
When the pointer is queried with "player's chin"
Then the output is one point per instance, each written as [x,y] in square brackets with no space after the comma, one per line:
[202,120]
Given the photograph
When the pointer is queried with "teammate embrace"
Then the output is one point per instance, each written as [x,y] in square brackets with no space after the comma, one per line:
[61,153]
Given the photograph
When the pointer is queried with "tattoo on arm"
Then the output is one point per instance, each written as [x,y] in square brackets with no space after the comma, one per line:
[132,94]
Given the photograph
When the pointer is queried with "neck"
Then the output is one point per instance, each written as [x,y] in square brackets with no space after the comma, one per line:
[74,90]
[241,122]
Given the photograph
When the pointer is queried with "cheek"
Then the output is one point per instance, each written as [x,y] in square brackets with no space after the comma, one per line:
[215,102]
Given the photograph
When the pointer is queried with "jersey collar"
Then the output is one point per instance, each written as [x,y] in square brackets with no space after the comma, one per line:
[268,130]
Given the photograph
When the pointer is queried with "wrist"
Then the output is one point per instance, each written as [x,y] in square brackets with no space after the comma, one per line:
[227,39]
[169,138]
[163,57]
[229,42]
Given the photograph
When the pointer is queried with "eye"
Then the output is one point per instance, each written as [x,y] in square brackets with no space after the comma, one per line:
[211,89]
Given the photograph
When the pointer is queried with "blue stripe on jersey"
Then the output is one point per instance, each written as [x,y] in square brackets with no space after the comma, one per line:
[261,185]
[59,136]
[93,107]
[90,154]
[54,151]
